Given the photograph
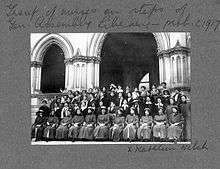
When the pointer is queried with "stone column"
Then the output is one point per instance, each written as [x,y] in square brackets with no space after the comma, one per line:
[84,75]
[38,78]
[167,67]
[96,74]
[182,67]
[175,69]
[188,69]
[90,75]
[33,79]
[161,69]
[71,76]
[66,75]
[80,76]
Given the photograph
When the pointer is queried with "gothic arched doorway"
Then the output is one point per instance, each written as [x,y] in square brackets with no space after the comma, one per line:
[53,70]
[127,57]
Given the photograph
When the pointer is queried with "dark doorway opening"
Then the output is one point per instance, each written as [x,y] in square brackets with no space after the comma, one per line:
[53,70]
[127,57]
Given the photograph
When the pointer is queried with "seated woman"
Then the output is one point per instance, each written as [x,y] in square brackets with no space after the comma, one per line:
[62,130]
[86,131]
[131,121]
[101,131]
[168,110]
[116,131]
[51,125]
[159,129]
[175,125]
[37,129]
[76,123]
[144,131]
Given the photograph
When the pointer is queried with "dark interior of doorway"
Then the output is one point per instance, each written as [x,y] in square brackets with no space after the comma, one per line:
[53,70]
[127,57]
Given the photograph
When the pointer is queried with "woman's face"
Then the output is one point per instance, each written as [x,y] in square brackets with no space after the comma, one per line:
[132,111]
[146,112]
[119,112]
[52,112]
[89,111]
[125,101]
[183,98]
[66,105]
[100,103]
[174,110]
[129,95]
[159,100]
[171,101]
[112,104]
[160,112]
[103,111]
[148,99]
[78,112]
[112,94]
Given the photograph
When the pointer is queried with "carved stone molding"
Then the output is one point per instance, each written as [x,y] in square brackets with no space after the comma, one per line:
[175,50]
[36,64]
[87,59]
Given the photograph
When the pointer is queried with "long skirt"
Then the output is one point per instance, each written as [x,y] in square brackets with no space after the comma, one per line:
[159,131]
[86,132]
[144,132]
[101,132]
[73,132]
[174,132]
[62,132]
[37,132]
[129,132]
[50,132]
[116,133]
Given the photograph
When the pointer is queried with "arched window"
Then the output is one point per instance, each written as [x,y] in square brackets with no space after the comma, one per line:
[178,65]
[145,82]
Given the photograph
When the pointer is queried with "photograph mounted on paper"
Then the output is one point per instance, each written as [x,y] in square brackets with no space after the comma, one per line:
[110,88]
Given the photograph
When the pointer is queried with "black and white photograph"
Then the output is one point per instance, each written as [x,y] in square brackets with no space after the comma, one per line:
[110,88]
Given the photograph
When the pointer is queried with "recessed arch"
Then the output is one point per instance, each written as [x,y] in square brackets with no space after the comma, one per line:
[39,49]
[97,41]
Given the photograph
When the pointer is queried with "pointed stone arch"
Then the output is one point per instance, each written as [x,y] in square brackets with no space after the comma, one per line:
[41,46]
[37,56]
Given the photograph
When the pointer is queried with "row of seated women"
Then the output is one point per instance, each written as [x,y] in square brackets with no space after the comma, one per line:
[109,127]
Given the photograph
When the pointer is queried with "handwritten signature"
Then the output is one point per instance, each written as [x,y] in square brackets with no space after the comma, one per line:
[195,146]
[143,17]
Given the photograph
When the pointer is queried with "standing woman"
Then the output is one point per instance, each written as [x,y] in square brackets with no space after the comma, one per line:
[144,131]
[51,125]
[159,129]
[84,105]
[116,131]
[185,110]
[86,131]
[37,129]
[101,131]
[76,123]
[131,121]
[150,106]
[125,108]
[62,130]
